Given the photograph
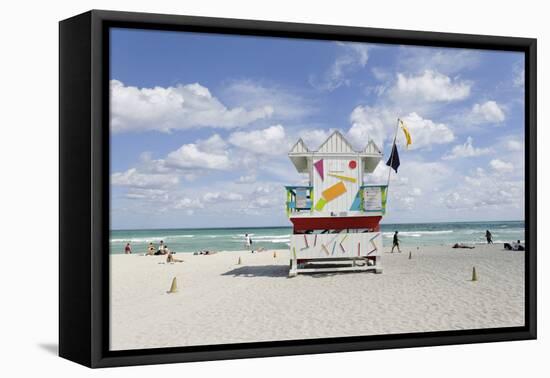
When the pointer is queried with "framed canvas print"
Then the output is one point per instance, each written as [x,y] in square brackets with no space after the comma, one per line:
[234,188]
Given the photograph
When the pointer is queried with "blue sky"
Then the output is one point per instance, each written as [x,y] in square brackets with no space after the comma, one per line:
[201,125]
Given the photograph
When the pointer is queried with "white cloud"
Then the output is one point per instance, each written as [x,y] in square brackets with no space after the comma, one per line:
[268,141]
[150,195]
[519,76]
[444,60]
[430,86]
[214,197]
[212,143]
[378,124]
[200,155]
[425,132]
[487,112]
[514,145]
[370,123]
[313,138]
[188,203]
[174,108]
[501,166]
[286,103]
[246,179]
[483,190]
[353,57]
[415,182]
[466,150]
[133,178]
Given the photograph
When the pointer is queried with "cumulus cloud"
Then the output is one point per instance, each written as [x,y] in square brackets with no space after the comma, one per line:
[246,179]
[425,132]
[466,150]
[415,182]
[133,178]
[378,124]
[269,141]
[353,57]
[147,194]
[487,112]
[286,103]
[518,79]
[444,60]
[188,203]
[501,166]
[204,154]
[370,123]
[430,86]
[175,108]
[483,190]
[514,145]
[214,197]
[313,138]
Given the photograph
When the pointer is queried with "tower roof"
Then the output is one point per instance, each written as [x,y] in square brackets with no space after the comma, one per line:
[336,145]
[299,147]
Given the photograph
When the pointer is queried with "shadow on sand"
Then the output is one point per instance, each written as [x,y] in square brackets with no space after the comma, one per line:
[282,271]
[259,271]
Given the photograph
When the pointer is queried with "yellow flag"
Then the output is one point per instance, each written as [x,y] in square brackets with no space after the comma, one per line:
[406,132]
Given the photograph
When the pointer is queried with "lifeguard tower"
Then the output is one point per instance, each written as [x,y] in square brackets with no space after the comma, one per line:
[336,218]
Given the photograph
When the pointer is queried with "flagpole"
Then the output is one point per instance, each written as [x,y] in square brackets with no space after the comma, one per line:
[391,160]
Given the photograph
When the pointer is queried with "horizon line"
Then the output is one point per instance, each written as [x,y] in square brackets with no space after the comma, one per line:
[290,226]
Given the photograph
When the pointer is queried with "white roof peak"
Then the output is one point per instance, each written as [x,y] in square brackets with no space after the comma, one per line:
[299,147]
[336,143]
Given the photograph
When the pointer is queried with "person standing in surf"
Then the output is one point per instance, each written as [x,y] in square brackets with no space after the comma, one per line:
[489,237]
[248,242]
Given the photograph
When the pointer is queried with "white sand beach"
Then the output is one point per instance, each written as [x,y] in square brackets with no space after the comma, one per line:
[221,302]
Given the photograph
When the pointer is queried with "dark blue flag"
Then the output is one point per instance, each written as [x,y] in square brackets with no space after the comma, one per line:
[393,161]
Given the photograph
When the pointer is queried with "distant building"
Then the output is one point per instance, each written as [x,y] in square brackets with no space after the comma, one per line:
[336,218]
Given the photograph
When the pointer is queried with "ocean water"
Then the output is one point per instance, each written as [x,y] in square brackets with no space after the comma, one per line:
[232,239]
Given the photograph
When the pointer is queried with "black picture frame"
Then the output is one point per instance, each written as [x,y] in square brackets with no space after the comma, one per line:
[84,187]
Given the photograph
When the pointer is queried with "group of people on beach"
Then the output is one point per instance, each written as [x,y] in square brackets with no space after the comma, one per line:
[162,249]
[515,246]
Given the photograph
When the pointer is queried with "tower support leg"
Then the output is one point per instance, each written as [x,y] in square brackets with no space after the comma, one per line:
[293,272]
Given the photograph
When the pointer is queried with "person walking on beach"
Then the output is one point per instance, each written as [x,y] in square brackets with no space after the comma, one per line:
[127,249]
[395,242]
[489,237]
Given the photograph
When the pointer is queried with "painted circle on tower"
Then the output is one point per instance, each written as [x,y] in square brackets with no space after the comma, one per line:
[352,164]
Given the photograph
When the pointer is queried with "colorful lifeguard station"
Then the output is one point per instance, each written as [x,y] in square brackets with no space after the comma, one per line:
[336,218]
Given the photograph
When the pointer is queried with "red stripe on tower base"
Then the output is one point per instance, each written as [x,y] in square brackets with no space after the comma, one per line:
[335,223]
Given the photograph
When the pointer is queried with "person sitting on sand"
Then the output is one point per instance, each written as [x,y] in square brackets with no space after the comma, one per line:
[171,259]
[518,246]
[514,246]
[460,245]
[127,249]
[150,249]
[489,237]
[395,242]
[160,249]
